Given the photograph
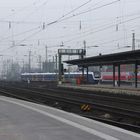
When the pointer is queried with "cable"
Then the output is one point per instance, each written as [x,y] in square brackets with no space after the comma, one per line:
[97,8]
[88,11]
[38,8]
[18,44]
[108,42]
[35,33]
[88,33]
[102,29]
[110,26]
[19,22]
[63,36]
[18,34]
[62,17]
[74,9]
[59,18]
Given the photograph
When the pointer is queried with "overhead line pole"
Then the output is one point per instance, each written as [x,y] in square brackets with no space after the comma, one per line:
[133,41]
[40,68]
[29,61]
[46,53]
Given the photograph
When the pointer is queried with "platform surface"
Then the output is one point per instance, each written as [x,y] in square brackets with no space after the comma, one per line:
[128,90]
[21,120]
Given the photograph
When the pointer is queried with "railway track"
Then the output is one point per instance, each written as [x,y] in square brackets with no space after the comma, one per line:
[73,104]
[125,102]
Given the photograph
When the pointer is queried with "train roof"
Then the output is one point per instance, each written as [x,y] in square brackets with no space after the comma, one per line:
[38,73]
[54,73]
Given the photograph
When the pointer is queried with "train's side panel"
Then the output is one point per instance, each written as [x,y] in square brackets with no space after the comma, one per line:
[125,76]
[92,78]
[38,77]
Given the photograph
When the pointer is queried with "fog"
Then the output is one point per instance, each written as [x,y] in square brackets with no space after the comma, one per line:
[31,25]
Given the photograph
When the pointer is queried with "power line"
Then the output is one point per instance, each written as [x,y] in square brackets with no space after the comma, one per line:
[90,32]
[19,22]
[97,8]
[18,34]
[19,43]
[74,15]
[33,34]
[77,8]
[102,29]
[37,8]
[41,22]
[58,20]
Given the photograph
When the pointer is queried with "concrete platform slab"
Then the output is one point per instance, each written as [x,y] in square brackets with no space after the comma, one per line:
[21,120]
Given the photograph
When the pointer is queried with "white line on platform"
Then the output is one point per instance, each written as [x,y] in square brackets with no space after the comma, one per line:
[79,126]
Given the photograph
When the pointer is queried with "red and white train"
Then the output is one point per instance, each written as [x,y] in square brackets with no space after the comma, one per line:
[125,76]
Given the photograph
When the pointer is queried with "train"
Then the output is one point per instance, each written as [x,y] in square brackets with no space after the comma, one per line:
[93,77]
[124,76]
[127,73]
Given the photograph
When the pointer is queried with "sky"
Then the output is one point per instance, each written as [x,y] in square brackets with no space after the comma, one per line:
[30,25]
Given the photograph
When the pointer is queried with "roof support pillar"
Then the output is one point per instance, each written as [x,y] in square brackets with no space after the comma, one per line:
[83,71]
[60,73]
[87,74]
[114,75]
[119,75]
[136,76]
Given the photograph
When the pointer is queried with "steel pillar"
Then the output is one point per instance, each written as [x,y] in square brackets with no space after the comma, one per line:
[136,76]
[60,74]
[114,75]
[87,74]
[119,75]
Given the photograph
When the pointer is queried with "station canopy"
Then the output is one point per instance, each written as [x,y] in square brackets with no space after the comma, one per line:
[129,57]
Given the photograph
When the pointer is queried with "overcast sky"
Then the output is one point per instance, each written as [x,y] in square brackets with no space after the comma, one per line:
[31,24]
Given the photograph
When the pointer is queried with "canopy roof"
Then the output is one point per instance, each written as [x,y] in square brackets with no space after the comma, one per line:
[128,57]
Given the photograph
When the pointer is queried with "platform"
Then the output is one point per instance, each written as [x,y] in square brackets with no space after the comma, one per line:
[21,120]
[104,88]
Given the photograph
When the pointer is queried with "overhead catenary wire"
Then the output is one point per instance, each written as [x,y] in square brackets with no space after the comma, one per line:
[41,22]
[114,40]
[99,30]
[89,30]
[62,18]
[37,9]
[51,23]
[48,24]
[110,26]
[19,43]
[33,34]
[19,22]
[102,29]
[22,33]
[84,12]
[77,8]
[56,21]
[31,22]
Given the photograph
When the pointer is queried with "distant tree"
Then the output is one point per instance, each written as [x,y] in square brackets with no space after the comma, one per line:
[13,72]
